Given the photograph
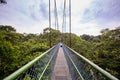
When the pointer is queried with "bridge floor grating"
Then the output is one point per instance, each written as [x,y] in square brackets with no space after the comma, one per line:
[61,69]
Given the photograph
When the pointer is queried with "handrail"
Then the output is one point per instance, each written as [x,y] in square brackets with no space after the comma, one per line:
[26,67]
[76,68]
[47,65]
[105,73]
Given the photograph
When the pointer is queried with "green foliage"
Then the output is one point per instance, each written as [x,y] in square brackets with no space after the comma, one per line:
[54,35]
[104,50]
[27,78]
[90,38]
[8,55]
[110,45]
[105,53]
[18,49]
[7,28]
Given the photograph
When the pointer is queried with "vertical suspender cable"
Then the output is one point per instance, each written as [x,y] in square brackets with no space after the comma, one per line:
[50,23]
[56,15]
[64,18]
[70,20]
[56,19]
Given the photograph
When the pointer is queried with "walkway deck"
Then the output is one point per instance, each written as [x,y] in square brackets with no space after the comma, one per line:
[61,69]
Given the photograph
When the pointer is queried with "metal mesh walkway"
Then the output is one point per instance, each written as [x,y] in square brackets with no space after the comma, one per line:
[61,70]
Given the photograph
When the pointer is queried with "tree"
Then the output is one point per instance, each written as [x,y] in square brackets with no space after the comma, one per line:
[85,37]
[7,28]
[104,31]
[91,38]
[3,1]
[109,51]
[18,49]
[8,58]
[54,35]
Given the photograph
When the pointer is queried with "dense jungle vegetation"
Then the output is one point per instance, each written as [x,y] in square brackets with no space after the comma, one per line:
[17,49]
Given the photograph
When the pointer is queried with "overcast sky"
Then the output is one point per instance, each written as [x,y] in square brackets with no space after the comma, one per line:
[88,16]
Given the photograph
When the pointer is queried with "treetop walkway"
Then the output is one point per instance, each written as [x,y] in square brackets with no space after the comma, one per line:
[60,63]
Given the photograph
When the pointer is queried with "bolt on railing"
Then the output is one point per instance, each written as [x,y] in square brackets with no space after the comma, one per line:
[83,69]
[38,69]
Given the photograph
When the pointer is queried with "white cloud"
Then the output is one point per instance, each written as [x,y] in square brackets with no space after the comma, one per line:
[85,28]
[31,16]
[78,6]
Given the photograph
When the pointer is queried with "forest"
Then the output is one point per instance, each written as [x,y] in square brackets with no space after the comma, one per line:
[17,49]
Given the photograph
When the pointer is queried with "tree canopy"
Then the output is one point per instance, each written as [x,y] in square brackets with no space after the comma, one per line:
[17,49]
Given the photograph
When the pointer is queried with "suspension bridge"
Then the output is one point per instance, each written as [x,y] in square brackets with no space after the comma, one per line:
[60,62]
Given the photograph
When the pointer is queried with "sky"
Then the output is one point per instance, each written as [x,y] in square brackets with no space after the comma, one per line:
[88,16]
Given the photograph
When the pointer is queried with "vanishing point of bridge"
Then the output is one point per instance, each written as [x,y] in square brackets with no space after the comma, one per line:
[60,63]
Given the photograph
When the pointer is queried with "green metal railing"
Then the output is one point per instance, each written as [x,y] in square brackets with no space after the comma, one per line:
[83,69]
[38,69]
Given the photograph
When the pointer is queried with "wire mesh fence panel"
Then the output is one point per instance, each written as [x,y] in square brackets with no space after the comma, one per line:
[83,69]
[38,69]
